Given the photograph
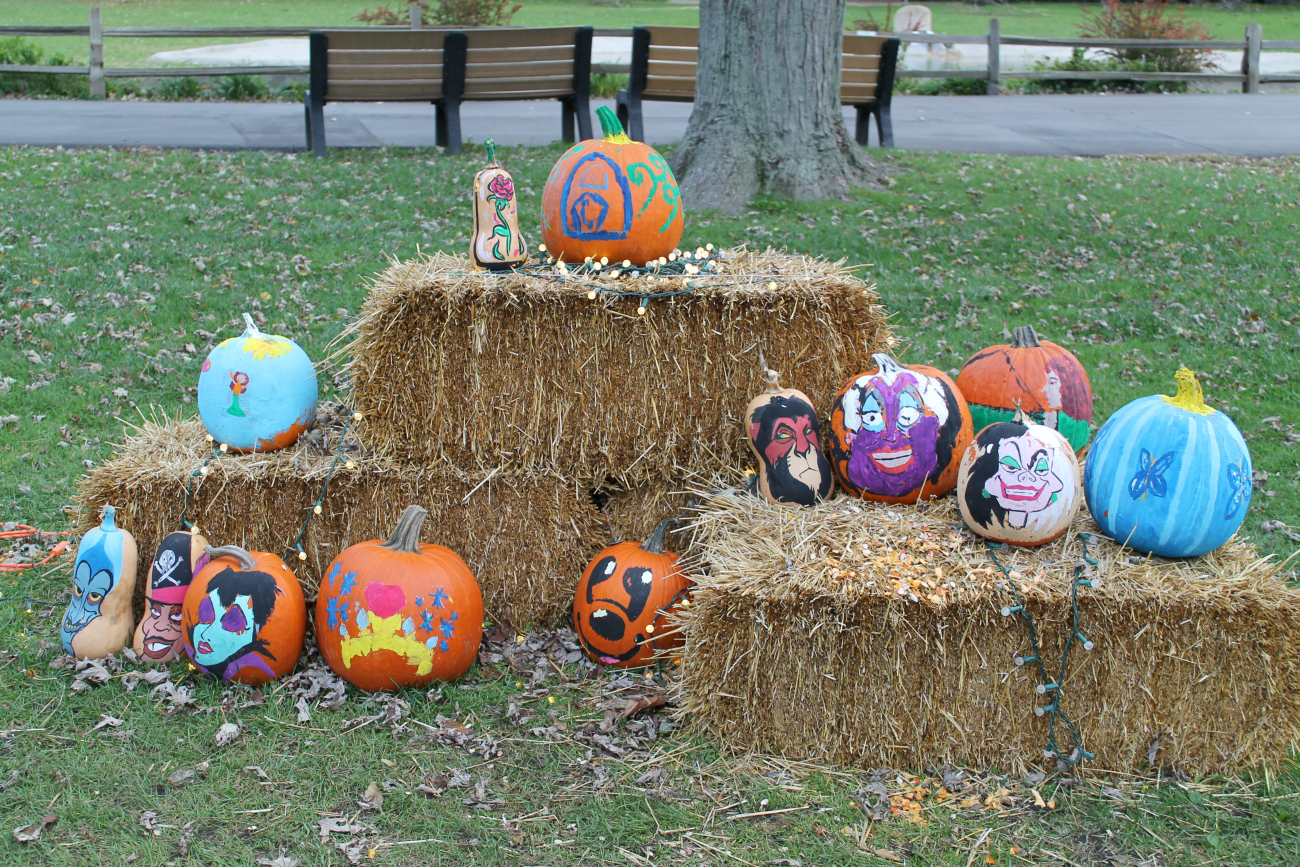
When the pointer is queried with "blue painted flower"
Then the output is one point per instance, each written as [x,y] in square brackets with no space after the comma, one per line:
[443,645]
[438,598]
[334,573]
[419,601]
[448,625]
[426,621]
[1239,483]
[349,581]
[1150,477]
[338,613]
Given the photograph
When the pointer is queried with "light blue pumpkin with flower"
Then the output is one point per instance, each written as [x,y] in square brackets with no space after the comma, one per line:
[257,392]
[1169,476]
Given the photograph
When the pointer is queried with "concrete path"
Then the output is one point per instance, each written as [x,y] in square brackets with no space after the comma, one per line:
[1083,125]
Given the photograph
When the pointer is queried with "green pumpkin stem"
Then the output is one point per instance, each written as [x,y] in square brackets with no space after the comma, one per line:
[610,126]
[234,552]
[406,535]
[655,544]
[491,147]
[1024,337]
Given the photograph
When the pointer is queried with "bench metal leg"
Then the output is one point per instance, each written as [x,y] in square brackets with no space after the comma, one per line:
[451,136]
[862,129]
[567,111]
[629,114]
[440,124]
[315,125]
[884,126]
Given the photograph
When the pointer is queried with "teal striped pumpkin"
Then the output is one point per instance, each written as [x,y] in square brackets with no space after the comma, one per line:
[1169,475]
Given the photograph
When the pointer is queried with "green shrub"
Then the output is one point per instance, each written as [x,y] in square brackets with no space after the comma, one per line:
[941,86]
[1079,63]
[606,85]
[294,91]
[242,88]
[178,89]
[17,51]
[1149,19]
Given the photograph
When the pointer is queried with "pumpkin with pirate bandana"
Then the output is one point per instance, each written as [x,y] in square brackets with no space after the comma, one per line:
[783,432]
[179,558]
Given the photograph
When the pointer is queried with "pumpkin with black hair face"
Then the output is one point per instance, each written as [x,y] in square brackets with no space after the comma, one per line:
[626,601]
[783,432]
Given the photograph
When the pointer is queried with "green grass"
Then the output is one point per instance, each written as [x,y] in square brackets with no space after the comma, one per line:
[111,262]
[1020,19]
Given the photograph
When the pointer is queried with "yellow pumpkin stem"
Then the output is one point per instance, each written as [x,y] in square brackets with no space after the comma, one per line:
[610,126]
[771,382]
[1190,396]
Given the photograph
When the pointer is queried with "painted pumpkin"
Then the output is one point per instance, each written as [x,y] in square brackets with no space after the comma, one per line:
[496,244]
[98,620]
[626,601]
[1043,379]
[257,392]
[180,557]
[782,429]
[898,433]
[1019,482]
[400,613]
[1169,475]
[612,198]
[244,617]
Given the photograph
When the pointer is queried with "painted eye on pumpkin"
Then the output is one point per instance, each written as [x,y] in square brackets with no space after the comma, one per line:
[77,591]
[1041,466]
[95,597]
[1010,463]
[234,620]
[207,613]
[155,611]
[908,416]
[783,435]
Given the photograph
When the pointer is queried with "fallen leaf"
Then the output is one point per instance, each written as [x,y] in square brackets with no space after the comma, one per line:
[635,706]
[149,821]
[337,826]
[888,855]
[282,861]
[186,837]
[304,711]
[373,799]
[181,777]
[228,734]
[257,771]
[106,720]
[1038,799]
[32,832]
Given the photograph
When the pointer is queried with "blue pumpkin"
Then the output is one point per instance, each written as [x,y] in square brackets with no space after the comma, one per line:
[1169,475]
[257,392]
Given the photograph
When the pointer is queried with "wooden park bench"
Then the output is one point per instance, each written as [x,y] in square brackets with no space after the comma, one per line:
[448,67]
[663,68]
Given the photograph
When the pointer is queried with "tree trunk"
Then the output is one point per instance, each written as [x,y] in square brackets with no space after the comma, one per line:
[767,111]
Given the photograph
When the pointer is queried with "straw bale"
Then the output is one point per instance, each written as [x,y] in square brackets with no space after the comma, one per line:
[524,372]
[526,538]
[808,638]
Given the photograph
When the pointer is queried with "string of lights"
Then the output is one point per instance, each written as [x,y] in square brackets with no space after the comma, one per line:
[316,509]
[1046,686]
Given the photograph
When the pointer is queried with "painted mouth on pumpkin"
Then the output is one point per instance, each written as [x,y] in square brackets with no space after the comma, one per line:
[893,462]
[157,647]
[1021,493]
[204,647]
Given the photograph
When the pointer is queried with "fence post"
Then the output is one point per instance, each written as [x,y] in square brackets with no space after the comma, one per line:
[995,70]
[417,17]
[97,87]
[1250,58]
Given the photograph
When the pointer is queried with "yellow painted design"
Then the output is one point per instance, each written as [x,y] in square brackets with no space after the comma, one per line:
[386,633]
[1189,397]
[227,340]
[266,346]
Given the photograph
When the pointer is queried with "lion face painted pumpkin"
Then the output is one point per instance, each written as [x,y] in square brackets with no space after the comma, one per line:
[782,428]
[898,433]
[626,601]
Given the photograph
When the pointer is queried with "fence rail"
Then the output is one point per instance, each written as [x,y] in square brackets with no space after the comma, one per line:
[1250,46]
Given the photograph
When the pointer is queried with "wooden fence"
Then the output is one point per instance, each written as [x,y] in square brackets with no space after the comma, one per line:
[1249,77]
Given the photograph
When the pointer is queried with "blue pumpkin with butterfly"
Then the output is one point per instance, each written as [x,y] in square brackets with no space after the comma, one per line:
[1169,476]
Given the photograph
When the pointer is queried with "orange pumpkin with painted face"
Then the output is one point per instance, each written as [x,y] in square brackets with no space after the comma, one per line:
[626,601]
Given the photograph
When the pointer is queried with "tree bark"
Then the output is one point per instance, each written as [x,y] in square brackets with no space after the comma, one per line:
[767,111]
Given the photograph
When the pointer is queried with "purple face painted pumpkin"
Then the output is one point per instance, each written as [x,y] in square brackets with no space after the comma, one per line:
[898,433]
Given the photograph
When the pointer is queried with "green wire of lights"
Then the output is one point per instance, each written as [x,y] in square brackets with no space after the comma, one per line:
[1053,709]
[189,485]
[316,509]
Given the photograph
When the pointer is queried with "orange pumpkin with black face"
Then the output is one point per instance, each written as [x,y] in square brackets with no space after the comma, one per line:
[613,198]
[626,601]
[399,613]
[244,617]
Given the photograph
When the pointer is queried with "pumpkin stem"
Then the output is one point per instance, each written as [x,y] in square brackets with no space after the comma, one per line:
[234,552]
[655,544]
[1024,337]
[252,329]
[406,535]
[609,125]
[1190,396]
[491,148]
[771,380]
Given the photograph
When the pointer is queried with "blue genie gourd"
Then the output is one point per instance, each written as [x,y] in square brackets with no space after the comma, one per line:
[257,392]
[1169,476]
[98,620]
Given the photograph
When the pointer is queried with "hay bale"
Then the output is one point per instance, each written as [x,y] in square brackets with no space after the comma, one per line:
[524,372]
[526,538]
[799,642]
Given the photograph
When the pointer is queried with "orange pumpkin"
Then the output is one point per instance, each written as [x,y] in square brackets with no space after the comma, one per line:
[626,601]
[400,613]
[1043,379]
[611,198]
[244,616]
[898,433]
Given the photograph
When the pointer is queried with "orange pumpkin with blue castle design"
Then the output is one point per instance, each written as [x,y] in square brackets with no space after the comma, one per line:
[611,198]
[400,613]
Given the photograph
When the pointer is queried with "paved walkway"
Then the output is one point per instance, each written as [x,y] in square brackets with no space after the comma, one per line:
[1260,125]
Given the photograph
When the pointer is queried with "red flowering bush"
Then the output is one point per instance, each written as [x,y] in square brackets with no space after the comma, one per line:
[1149,19]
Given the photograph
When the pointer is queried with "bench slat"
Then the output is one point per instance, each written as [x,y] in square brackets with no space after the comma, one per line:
[370,40]
[519,70]
[385,91]
[560,84]
[521,37]
[672,86]
[859,76]
[688,37]
[863,44]
[407,58]
[657,68]
[475,54]
[384,73]
[681,55]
